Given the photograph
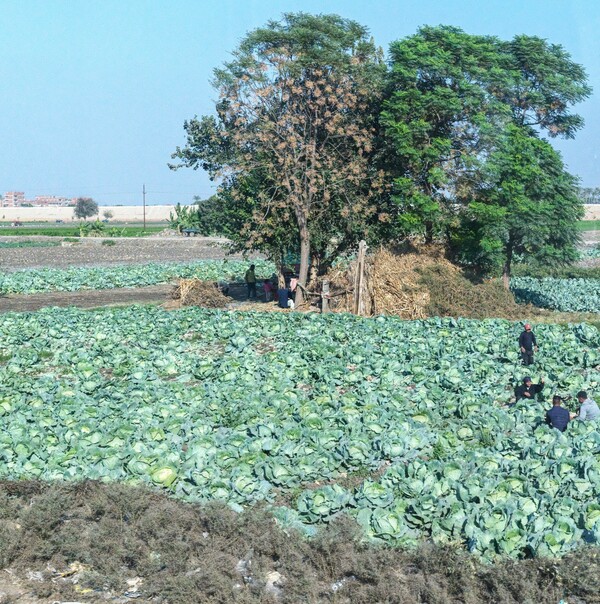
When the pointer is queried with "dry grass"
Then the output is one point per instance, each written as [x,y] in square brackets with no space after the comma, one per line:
[452,294]
[84,542]
[193,292]
[391,284]
[418,282]
[415,283]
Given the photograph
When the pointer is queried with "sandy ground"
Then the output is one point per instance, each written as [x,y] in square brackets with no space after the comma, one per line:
[592,212]
[127,250]
[120,214]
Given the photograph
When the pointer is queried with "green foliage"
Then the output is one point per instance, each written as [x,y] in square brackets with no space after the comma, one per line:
[31,281]
[461,121]
[567,295]
[435,102]
[588,225]
[190,401]
[28,243]
[92,229]
[74,231]
[589,195]
[525,204]
[184,217]
[558,272]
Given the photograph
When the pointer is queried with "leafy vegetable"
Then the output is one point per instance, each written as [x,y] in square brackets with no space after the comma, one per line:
[31,281]
[193,401]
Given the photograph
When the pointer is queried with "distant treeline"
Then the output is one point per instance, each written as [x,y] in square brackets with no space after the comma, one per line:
[589,195]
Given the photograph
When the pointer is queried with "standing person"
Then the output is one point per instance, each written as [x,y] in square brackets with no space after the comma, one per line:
[250,279]
[275,281]
[268,287]
[527,344]
[558,417]
[528,389]
[588,409]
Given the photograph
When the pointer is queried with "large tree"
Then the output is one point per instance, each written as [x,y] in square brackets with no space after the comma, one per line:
[293,138]
[525,205]
[449,100]
[85,207]
[436,118]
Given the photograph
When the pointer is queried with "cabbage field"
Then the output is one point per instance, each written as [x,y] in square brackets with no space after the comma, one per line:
[400,425]
[32,281]
[566,295]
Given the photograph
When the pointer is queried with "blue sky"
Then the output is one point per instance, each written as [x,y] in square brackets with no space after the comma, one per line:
[94,93]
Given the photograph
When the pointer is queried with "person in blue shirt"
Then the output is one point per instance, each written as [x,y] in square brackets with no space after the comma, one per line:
[558,417]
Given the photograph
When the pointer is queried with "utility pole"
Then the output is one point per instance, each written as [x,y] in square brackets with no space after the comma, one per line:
[144,198]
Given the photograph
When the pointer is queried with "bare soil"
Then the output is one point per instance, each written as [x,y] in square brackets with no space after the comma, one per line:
[90,251]
[154,294]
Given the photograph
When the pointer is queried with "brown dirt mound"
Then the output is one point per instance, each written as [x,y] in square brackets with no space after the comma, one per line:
[416,283]
[193,292]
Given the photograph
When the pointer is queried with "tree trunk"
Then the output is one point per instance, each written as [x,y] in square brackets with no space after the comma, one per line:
[279,268]
[429,232]
[506,269]
[304,261]
[313,273]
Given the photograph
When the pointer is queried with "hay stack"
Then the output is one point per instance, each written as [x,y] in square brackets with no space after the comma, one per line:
[392,283]
[419,283]
[193,292]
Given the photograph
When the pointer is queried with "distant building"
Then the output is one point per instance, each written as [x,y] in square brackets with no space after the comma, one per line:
[50,200]
[13,199]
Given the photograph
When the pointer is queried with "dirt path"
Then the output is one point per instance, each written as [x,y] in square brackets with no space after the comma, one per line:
[86,298]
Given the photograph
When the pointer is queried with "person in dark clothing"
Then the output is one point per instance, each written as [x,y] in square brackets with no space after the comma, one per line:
[558,417]
[528,389]
[527,344]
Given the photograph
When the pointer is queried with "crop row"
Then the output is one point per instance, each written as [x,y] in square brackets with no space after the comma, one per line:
[566,295]
[247,407]
[32,281]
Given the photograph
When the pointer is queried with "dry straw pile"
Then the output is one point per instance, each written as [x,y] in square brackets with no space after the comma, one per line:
[418,283]
[193,292]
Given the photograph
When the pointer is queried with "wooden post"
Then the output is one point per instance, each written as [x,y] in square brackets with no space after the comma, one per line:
[359,307]
[325,297]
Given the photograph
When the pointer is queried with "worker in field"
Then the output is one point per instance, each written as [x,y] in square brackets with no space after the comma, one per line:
[268,289]
[250,279]
[588,408]
[223,287]
[527,344]
[558,417]
[528,390]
